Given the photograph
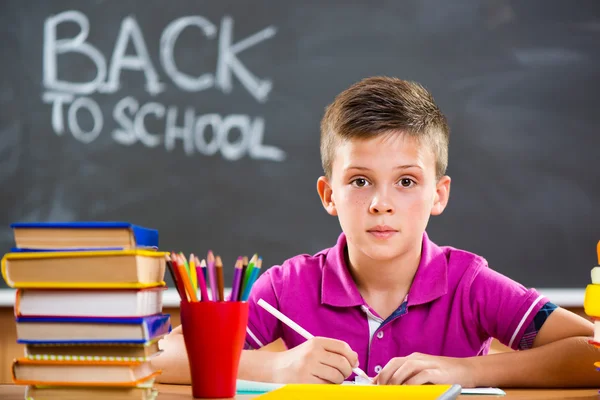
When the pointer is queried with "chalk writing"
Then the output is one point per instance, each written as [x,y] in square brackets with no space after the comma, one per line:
[232,136]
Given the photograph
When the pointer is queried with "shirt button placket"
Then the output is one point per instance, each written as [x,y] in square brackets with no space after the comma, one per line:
[380,335]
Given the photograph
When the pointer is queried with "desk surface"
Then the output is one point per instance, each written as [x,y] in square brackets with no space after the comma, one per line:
[177,392]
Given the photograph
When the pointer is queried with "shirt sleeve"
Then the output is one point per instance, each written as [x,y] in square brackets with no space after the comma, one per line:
[504,308]
[535,326]
[263,328]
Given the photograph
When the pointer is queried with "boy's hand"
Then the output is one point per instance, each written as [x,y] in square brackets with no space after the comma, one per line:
[173,360]
[419,369]
[318,360]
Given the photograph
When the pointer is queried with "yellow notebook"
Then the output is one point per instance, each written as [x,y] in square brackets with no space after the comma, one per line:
[84,269]
[351,392]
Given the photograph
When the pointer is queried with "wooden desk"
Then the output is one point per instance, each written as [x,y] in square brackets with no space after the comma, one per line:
[177,392]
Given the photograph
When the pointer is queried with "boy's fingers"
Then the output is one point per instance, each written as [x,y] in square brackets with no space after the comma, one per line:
[421,378]
[316,379]
[328,374]
[384,376]
[407,370]
[338,362]
[340,347]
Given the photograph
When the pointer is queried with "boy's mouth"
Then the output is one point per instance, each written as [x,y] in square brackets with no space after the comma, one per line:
[382,231]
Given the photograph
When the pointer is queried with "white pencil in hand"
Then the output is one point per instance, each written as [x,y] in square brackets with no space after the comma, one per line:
[301,331]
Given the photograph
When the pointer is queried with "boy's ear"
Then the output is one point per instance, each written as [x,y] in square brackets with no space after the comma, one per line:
[442,194]
[326,195]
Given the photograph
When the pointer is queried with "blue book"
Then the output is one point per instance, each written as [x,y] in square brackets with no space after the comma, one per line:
[82,235]
[55,330]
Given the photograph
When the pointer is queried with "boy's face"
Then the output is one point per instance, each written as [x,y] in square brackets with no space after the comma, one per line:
[383,191]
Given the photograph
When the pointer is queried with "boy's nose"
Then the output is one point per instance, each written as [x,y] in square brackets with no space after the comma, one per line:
[380,206]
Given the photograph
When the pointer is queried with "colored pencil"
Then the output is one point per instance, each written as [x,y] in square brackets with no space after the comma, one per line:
[187,283]
[237,276]
[300,330]
[220,280]
[201,279]
[180,274]
[212,275]
[253,276]
[247,274]
[193,273]
[243,273]
[204,269]
[184,262]
[178,284]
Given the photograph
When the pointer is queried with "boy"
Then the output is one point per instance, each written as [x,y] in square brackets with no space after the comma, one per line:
[385,297]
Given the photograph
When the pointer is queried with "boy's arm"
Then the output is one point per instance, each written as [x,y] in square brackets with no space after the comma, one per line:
[173,361]
[318,360]
[560,356]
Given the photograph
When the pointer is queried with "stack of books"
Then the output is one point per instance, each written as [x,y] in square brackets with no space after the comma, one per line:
[88,308]
[591,303]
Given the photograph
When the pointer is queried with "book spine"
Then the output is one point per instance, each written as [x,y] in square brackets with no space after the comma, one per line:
[144,236]
[157,326]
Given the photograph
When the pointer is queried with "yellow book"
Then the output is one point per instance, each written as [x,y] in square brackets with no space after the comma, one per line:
[84,269]
[92,351]
[90,393]
[591,302]
[352,392]
[81,373]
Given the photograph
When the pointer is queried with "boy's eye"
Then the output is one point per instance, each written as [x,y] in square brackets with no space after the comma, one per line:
[359,182]
[406,182]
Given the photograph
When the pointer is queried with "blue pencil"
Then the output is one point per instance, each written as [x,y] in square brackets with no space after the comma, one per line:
[253,276]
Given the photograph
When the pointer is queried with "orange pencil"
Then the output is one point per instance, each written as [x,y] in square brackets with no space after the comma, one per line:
[220,280]
[176,278]
[186,280]
[175,263]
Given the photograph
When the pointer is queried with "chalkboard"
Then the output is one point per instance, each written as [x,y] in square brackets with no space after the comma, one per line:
[201,119]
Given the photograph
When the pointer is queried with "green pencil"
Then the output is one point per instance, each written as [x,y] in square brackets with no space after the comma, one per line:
[248,273]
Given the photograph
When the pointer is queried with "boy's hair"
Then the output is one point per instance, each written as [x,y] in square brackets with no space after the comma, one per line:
[383,105]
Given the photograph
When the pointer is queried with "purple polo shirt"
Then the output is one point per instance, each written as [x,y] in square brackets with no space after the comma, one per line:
[454,307]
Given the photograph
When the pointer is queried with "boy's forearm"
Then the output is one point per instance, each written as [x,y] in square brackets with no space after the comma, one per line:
[174,366]
[564,363]
[257,365]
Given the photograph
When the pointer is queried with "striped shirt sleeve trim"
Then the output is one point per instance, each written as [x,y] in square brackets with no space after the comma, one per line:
[514,336]
[253,336]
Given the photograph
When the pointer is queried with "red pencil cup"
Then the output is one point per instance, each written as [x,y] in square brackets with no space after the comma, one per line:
[214,334]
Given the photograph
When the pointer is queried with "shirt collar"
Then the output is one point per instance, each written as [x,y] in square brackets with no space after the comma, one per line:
[337,286]
[339,289]
[431,279]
